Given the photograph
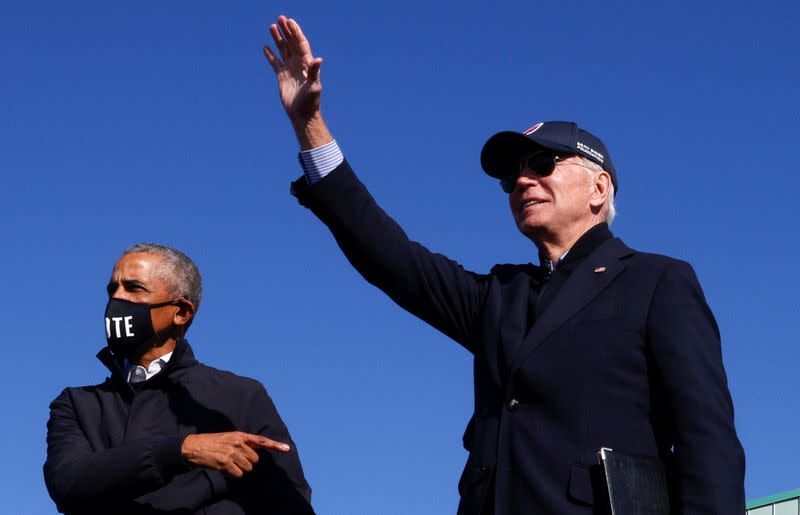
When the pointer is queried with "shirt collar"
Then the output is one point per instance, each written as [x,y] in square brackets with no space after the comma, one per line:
[137,373]
[585,245]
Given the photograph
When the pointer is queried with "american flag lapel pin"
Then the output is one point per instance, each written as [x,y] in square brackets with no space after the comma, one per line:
[599,269]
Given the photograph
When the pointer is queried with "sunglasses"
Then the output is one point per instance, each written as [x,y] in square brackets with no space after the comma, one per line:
[541,164]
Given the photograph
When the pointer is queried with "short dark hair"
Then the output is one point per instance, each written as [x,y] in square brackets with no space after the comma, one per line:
[179,272]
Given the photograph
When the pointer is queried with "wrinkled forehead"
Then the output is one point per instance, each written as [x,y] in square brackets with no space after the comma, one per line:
[138,266]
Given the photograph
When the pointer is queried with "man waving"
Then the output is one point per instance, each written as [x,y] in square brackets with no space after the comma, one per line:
[598,346]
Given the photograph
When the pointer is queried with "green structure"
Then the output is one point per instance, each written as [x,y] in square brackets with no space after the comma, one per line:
[785,503]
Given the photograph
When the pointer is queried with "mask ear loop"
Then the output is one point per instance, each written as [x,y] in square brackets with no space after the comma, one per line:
[171,331]
[162,304]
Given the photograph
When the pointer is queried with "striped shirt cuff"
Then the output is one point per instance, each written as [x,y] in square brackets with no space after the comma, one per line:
[319,162]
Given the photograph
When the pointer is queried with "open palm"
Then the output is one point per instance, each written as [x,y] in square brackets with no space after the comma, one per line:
[297,70]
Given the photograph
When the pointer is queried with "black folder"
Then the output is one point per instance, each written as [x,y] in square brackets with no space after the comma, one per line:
[636,485]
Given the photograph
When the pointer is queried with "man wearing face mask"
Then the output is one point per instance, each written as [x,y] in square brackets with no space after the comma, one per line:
[165,433]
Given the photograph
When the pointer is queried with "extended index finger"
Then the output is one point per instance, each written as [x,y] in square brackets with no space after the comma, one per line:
[262,442]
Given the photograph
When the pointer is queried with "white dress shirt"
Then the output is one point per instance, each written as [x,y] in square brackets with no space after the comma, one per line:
[137,373]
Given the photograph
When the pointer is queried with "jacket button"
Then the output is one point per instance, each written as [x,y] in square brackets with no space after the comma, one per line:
[512,404]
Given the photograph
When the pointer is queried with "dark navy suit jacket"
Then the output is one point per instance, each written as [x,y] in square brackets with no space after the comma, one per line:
[626,356]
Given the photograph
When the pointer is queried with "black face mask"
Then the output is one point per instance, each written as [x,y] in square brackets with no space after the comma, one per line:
[129,328]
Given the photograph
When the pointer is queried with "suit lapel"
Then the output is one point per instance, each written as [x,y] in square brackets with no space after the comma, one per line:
[514,320]
[592,276]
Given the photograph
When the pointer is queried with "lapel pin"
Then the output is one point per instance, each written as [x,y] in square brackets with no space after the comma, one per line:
[599,269]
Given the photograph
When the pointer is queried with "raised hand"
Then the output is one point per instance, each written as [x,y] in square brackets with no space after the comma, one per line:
[232,453]
[297,70]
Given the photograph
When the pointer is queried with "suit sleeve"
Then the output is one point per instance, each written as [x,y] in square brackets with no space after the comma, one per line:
[81,478]
[429,285]
[277,481]
[684,339]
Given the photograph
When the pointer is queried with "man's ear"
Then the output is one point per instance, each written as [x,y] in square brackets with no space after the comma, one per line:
[185,312]
[601,189]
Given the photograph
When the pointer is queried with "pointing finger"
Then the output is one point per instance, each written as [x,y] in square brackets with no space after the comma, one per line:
[262,442]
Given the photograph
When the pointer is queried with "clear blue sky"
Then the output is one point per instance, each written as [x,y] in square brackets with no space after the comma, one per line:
[160,121]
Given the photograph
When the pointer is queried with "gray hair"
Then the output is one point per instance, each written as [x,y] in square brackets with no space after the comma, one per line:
[611,209]
[178,272]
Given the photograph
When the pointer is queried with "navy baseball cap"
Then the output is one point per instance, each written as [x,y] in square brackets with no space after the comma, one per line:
[502,152]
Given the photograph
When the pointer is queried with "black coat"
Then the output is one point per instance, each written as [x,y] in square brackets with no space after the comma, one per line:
[114,448]
[626,355]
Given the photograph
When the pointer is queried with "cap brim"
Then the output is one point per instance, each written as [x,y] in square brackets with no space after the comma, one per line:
[502,152]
